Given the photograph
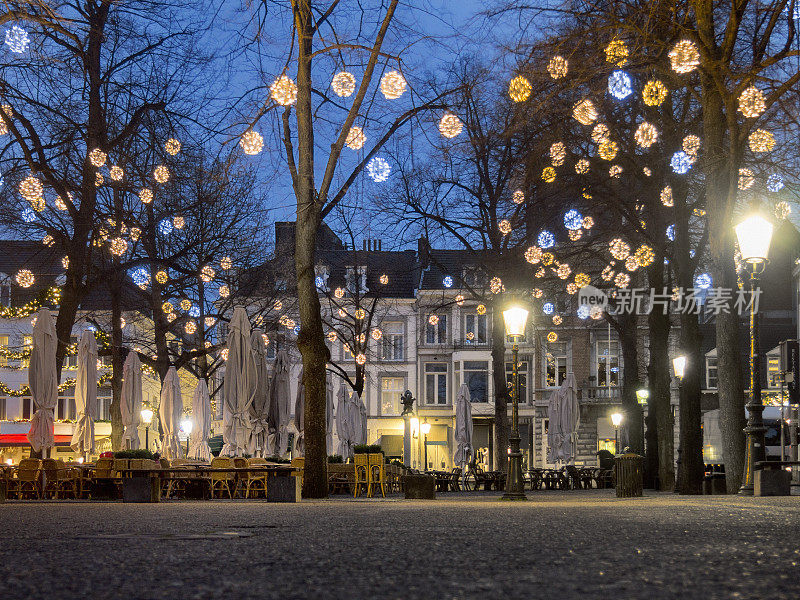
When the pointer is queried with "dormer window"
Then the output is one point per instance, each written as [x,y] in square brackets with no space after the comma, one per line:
[473,277]
[356,280]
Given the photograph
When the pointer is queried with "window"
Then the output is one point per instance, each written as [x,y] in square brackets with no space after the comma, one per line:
[607,363]
[27,408]
[392,341]
[347,353]
[27,344]
[65,409]
[475,331]
[522,373]
[473,277]
[72,359]
[773,371]
[271,350]
[435,383]
[356,280]
[711,370]
[391,390]
[104,410]
[476,376]
[436,333]
[3,347]
[556,367]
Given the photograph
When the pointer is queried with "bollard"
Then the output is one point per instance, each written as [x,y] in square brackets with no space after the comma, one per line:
[629,471]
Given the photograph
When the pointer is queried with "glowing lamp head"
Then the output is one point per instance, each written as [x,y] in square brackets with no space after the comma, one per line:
[186,426]
[414,425]
[642,395]
[616,419]
[515,319]
[679,365]
[147,416]
[425,428]
[754,235]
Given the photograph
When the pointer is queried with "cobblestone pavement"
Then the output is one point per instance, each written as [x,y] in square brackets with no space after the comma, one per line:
[580,544]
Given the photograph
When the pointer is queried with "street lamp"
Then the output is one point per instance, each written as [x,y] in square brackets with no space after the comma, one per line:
[425,428]
[754,235]
[147,418]
[186,425]
[679,366]
[515,318]
[616,419]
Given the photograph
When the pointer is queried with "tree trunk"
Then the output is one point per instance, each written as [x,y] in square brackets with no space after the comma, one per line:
[311,340]
[501,395]
[631,382]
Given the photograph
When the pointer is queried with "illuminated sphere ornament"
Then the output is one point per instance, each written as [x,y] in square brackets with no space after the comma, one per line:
[620,85]
[495,285]
[24,278]
[172,316]
[393,85]
[251,142]
[384,279]
[752,102]
[761,140]
[600,133]
[549,174]
[588,222]
[207,273]
[647,172]
[666,196]
[433,319]
[355,138]
[211,321]
[654,93]
[376,334]
[480,309]
[582,280]
[557,320]
[774,182]
[190,327]
[691,144]
[116,173]
[338,292]
[552,337]
[548,258]
[617,53]
[548,308]
[615,171]
[284,91]
[172,146]
[224,291]
[48,240]
[450,125]
[361,359]
[782,210]
[519,88]
[596,312]
[165,227]
[343,84]
[546,239]
[583,311]
[540,272]
[622,280]
[533,255]
[684,57]
[460,299]
[558,153]
[447,281]
[607,150]
[97,157]
[178,222]
[584,112]
[702,281]
[162,277]
[360,313]
[518,197]
[17,39]
[680,162]
[332,336]
[141,277]
[378,169]
[98,179]
[563,271]
[631,264]
[557,67]
[575,234]
[607,274]
[161,174]
[619,249]
[186,304]
[118,246]
[226,263]
[582,166]
[146,195]
[746,179]
[671,232]
[573,219]
[32,190]
[646,134]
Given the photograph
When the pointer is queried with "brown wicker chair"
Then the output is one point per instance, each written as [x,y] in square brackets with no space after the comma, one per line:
[58,480]
[29,478]
[222,481]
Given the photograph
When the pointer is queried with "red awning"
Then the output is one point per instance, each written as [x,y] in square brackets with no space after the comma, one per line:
[10,440]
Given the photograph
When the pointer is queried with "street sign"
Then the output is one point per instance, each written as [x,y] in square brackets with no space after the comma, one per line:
[790,367]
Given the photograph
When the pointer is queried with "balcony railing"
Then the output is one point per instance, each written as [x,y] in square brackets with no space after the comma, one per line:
[600,393]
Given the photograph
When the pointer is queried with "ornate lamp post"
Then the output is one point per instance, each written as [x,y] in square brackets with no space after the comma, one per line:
[147,418]
[515,318]
[616,419]
[754,235]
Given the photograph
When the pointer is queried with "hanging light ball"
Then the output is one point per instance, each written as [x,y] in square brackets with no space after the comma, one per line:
[343,84]
[588,222]
[224,291]
[563,271]
[557,320]
[619,249]
[361,359]
[557,67]
[190,327]
[433,319]
[671,232]
[552,337]
[97,157]
[118,246]
[480,309]
[582,166]
[146,195]
[519,88]
[702,281]
[459,299]
[172,146]
[277,306]
[496,285]
[378,169]
[631,264]
[549,174]
[393,85]
[691,145]
[178,222]
[622,280]
[596,312]
[584,112]
[620,85]
[607,150]
[752,102]
[332,336]
[548,259]
[98,179]
[666,196]
[504,226]
[226,263]
[172,316]
[284,91]
[207,273]
[384,279]
[186,304]
[116,173]
[360,313]
[24,278]
[761,140]
[355,138]
[32,190]
[684,57]
[546,239]
[251,142]
[654,93]
[774,182]
[646,134]
[607,274]
[617,53]
[450,125]
[681,162]
[533,255]
[162,277]
[600,133]
[161,174]
[573,219]
[615,171]
[558,153]
[376,334]
[518,197]
[17,39]
[48,240]
[746,179]
[782,210]
[582,280]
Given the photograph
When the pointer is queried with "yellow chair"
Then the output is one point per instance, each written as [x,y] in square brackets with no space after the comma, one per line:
[29,477]
[254,482]
[361,462]
[300,464]
[221,481]
[58,481]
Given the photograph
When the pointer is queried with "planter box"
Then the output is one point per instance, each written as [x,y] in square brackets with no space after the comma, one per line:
[141,489]
[283,489]
[104,489]
[772,482]
[419,487]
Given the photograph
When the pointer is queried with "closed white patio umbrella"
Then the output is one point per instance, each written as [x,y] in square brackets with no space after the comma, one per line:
[328,414]
[170,412]
[85,395]
[569,415]
[201,423]
[259,410]
[342,423]
[554,425]
[280,404]
[356,424]
[299,417]
[43,382]
[239,387]
[131,401]
[463,432]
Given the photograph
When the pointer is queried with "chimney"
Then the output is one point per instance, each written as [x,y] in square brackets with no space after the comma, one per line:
[423,251]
